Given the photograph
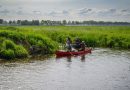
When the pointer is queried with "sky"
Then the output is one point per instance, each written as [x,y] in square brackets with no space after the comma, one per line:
[98,10]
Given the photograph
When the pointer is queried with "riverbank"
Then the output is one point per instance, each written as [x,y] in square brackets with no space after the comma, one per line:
[18,43]
[21,41]
[94,36]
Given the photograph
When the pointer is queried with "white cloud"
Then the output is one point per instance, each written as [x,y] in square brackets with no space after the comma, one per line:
[19,12]
[0,6]
[5,11]
[37,12]
[111,14]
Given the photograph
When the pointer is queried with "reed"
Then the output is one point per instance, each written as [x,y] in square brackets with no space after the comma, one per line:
[45,39]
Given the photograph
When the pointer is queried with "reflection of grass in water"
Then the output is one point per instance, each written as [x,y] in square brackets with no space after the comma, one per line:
[30,59]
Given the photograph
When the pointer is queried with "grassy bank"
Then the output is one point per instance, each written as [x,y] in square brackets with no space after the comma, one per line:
[19,42]
[97,36]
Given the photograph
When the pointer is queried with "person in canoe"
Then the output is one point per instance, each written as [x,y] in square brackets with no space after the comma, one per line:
[82,46]
[77,44]
[68,44]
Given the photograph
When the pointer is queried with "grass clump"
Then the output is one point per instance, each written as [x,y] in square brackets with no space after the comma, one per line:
[9,50]
[20,52]
[42,44]
[7,54]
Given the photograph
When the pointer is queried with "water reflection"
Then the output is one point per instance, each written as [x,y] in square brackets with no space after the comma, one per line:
[69,58]
[103,69]
[83,58]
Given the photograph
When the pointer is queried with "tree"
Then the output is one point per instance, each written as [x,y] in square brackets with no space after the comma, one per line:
[14,22]
[10,22]
[19,22]
[69,22]
[24,22]
[64,22]
[35,22]
[1,21]
[43,22]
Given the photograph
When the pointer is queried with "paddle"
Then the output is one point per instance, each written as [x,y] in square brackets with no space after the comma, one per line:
[71,53]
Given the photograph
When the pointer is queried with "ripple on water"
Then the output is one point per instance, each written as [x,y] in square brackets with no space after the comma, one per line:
[103,69]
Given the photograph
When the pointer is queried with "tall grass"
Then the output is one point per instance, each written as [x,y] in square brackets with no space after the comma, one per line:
[45,39]
[94,36]
[18,43]
[9,50]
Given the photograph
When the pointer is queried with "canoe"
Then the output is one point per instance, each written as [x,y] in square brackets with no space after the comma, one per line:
[66,53]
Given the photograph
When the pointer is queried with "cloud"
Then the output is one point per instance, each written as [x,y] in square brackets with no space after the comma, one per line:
[109,14]
[20,7]
[124,10]
[0,6]
[84,11]
[37,12]
[105,12]
[112,10]
[65,12]
[58,13]
[90,13]
[53,13]
[5,11]
[19,12]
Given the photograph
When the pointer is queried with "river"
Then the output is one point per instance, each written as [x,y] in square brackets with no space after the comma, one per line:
[103,69]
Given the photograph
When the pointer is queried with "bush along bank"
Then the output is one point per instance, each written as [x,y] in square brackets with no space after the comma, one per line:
[20,45]
[9,50]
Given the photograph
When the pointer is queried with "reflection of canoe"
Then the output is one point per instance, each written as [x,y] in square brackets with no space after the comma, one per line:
[65,53]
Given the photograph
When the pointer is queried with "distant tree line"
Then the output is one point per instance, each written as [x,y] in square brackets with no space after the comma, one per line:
[64,22]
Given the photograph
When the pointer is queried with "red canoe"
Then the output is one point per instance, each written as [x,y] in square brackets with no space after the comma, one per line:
[65,53]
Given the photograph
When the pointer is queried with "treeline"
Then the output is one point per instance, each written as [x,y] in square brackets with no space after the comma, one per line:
[64,22]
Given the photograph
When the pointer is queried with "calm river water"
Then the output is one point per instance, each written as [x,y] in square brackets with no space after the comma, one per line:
[103,69]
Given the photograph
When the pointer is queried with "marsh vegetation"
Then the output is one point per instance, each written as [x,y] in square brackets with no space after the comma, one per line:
[21,41]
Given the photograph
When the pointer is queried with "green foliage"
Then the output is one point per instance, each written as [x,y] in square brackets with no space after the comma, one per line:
[94,36]
[11,28]
[20,52]
[8,44]
[7,54]
[29,38]
[13,35]
[15,42]
[44,43]
[9,50]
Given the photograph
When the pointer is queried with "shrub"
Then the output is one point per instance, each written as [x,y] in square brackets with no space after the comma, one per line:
[7,54]
[8,44]
[20,52]
[45,44]
[9,50]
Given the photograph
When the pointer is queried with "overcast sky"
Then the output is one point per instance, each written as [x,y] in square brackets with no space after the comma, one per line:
[105,10]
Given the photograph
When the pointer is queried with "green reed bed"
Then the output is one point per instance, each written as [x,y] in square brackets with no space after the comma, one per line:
[27,40]
[18,43]
[97,36]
